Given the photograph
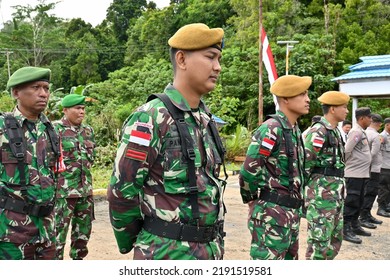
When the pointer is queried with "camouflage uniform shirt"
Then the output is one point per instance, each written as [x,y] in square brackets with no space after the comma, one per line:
[324,194]
[321,154]
[78,150]
[266,165]
[40,159]
[150,178]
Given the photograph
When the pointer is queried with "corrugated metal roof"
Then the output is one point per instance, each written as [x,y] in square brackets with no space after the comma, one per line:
[381,73]
[377,66]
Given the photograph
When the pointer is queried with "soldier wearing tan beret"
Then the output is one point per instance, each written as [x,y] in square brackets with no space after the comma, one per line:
[274,168]
[166,197]
[324,191]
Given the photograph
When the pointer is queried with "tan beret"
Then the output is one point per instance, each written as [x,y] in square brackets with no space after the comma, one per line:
[334,98]
[197,36]
[290,85]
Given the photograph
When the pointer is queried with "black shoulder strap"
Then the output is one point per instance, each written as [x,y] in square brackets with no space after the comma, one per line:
[17,145]
[187,149]
[330,139]
[53,137]
[289,149]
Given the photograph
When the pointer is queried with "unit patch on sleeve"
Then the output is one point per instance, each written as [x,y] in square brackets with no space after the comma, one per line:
[140,137]
[135,154]
[318,142]
[266,147]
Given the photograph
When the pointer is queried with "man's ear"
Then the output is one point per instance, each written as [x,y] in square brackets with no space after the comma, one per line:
[181,59]
[15,93]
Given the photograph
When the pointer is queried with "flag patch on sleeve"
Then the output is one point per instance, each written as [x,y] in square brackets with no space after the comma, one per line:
[266,147]
[135,154]
[140,138]
[318,142]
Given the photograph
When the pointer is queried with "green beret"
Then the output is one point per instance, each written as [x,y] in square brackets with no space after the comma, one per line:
[290,85]
[197,36]
[72,100]
[28,74]
[334,98]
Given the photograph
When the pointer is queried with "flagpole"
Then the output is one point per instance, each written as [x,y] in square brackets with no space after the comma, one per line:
[260,63]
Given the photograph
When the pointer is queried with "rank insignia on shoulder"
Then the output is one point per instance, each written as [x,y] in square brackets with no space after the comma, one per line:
[137,155]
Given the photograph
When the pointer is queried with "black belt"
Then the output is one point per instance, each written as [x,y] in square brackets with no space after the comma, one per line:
[280,199]
[20,206]
[329,171]
[184,232]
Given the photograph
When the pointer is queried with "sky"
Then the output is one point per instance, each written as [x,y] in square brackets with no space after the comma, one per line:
[92,11]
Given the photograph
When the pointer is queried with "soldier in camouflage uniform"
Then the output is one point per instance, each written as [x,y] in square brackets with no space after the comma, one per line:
[325,187]
[273,173]
[27,186]
[74,196]
[153,206]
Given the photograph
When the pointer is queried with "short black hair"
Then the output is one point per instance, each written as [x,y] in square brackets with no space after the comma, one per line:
[347,122]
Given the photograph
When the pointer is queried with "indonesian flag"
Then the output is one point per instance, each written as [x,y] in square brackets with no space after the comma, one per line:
[268,61]
[140,138]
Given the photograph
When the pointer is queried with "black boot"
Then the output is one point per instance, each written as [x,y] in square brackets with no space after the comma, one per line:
[358,230]
[374,220]
[364,222]
[349,235]
[382,212]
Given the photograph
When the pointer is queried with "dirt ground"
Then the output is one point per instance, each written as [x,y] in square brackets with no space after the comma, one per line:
[102,245]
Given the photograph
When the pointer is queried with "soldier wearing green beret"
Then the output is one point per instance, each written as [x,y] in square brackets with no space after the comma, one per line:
[75,205]
[165,195]
[325,186]
[272,175]
[29,152]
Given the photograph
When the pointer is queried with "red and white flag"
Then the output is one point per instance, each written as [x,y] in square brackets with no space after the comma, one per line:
[268,60]
[140,138]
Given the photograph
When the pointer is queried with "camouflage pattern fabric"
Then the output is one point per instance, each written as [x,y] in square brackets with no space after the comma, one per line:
[151,179]
[27,251]
[75,201]
[274,228]
[79,213]
[324,195]
[78,149]
[18,228]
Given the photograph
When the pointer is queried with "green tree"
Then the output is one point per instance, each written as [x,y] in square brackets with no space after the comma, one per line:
[122,13]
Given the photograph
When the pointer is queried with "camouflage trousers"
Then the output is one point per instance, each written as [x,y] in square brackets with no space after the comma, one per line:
[324,229]
[79,214]
[274,230]
[27,251]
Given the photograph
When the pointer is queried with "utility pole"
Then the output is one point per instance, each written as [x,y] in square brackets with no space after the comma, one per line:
[260,109]
[289,46]
[7,53]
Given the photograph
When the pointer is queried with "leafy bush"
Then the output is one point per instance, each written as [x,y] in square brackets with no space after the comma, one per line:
[237,144]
